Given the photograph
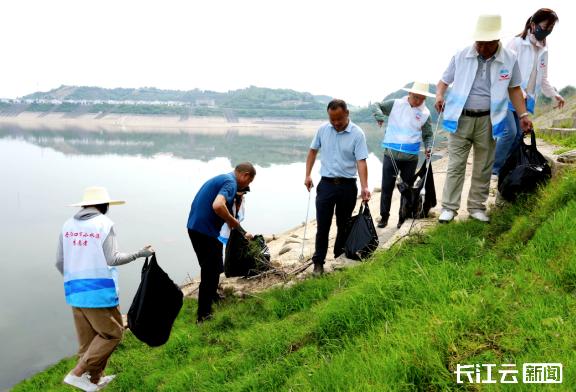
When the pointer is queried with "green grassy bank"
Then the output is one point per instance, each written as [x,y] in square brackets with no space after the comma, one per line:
[462,293]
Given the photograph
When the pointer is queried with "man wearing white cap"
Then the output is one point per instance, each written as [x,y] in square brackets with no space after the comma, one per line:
[483,77]
[408,125]
[87,255]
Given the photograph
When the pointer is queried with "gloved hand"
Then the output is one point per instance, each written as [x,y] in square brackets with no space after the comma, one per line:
[147,251]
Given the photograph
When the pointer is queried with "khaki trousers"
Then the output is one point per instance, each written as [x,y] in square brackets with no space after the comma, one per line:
[99,332]
[473,132]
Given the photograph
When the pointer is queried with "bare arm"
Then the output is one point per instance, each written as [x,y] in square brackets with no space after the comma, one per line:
[310,159]
[220,208]
[441,88]
[517,99]
[363,174]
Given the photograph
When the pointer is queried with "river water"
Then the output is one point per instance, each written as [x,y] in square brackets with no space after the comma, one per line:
[41,172]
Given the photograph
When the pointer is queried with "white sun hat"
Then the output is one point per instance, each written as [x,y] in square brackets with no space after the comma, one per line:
[420,89]
[488,28]
[96,195]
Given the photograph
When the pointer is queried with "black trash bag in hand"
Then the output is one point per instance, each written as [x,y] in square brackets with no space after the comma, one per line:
[155,305]
[362,238]
[524,170]
[244,257]
[412,204]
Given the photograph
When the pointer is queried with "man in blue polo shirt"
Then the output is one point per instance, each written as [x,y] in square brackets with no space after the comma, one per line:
[344,153]
[210,210]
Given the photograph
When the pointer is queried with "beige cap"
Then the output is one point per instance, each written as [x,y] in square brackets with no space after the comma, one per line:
[488,28]
[420,89]
[96,195]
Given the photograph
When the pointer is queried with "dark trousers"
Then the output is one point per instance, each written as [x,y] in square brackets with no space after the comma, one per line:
[209,253]
[407,172]
[330,196]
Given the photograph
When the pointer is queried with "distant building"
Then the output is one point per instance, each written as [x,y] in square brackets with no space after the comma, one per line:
[205,102]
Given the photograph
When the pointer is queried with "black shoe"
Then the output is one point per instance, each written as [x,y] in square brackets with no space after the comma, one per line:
[202,319]
[318,269]
[383,223]
[218,298]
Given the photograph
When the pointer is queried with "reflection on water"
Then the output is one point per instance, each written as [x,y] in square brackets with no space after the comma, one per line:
[158,174]
[263,150]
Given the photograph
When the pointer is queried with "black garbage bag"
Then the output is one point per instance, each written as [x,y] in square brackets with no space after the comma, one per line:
[523,171]
[362,238]
[155,305]
[246,258]
[414,204]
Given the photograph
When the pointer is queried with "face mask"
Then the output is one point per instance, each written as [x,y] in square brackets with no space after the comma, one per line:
[540,33]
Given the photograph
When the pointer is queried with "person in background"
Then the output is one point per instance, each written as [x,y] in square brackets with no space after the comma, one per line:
[209,211]
[408,124]
[344,154]
[484,77]
[87,256]
[532,50]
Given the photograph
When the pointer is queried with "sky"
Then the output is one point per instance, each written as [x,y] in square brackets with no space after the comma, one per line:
[355,50]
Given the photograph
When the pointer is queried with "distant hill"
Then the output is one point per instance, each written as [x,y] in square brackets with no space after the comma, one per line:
[151,94]
[249,102]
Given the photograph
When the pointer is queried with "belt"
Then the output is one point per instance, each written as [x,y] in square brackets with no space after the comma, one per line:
[475,113]
[339,180]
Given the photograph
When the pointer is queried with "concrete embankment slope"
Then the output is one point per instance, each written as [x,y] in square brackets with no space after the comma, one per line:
[147,124]
[286,248]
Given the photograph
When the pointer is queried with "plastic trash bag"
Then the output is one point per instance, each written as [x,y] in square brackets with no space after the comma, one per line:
[414,204]
[246,258]
[362,238]
[155,305]
[524,170]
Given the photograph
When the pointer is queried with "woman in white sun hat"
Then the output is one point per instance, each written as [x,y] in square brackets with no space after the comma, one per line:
[408,125]
[86,257]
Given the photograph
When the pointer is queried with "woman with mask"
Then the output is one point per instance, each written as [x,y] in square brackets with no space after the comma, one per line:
[532,51]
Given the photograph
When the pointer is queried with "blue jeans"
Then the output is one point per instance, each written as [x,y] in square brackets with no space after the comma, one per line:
[507,142]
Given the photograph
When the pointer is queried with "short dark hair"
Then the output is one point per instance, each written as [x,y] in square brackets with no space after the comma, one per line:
[245,167]
[543,14]
[337,103]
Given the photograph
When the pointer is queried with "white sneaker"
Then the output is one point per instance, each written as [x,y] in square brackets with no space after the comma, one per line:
[104,381]
[83,382]
[480,216]
[446,215]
